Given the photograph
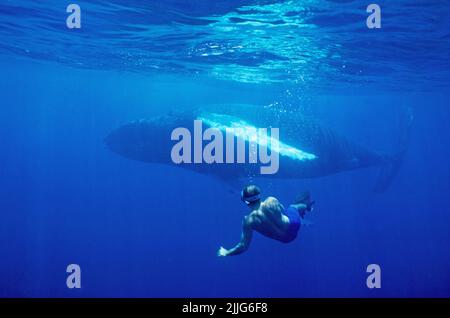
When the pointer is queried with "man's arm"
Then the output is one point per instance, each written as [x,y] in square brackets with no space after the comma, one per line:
[242,246]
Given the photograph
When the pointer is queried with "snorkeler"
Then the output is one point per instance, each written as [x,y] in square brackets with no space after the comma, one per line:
[269,218]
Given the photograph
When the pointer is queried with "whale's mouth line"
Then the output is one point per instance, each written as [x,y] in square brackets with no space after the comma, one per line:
[240,129]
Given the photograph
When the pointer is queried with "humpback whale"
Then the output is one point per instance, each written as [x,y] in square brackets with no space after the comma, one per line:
[149,140]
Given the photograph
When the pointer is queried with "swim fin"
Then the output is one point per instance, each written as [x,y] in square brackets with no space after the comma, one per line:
[307,223]
[305,198]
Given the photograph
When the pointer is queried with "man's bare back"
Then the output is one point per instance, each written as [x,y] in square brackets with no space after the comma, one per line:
[268,217]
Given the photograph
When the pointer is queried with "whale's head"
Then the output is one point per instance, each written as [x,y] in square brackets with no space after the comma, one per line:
[144,140]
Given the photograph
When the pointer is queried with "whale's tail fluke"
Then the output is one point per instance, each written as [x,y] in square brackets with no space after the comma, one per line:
[393,163]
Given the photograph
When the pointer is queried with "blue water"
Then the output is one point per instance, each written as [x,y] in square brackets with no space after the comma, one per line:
[144,230]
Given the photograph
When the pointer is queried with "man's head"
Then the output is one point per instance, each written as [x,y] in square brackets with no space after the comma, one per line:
[251,195]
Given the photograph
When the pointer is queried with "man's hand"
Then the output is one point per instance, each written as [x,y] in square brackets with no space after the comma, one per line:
[222,252]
